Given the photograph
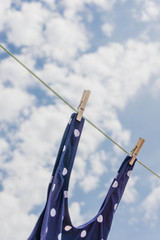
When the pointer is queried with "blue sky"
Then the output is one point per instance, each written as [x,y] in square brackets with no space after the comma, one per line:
[110,47]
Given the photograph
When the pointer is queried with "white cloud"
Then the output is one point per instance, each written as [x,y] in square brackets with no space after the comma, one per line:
[108,29]
[121,68]
[14,75]
[53,35]
[31,17]
[13,102]
[65,39]
[148,10]
[88,168]
[75,214]
[117,72]
[74,6]
[89,183]
[98,163]
[5,6]
[4,146]
[39,130]
[23,175]
[130,194]
[55,75]
[15,223]
[151,205]
[50,3]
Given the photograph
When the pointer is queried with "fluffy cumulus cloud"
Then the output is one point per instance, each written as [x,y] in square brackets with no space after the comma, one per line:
[147,10]
[33,23]
[150,205]
[108,29]
[66,39]
[131,193]
[55,39]
[5,148]
[17,218]
[58,37]
[89,183]
[72,8]
[13,103]
[75,211]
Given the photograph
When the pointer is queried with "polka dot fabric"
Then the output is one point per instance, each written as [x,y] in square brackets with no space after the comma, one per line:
[54,222]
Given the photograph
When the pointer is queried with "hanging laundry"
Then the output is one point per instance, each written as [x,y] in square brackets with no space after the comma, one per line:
[54,222]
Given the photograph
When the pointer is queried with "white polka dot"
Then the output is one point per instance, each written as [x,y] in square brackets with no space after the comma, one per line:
[64,148]
[64,171]
[70,120]
[100,219]
[66,194]
[54,185]
[60,236]
[67,228]
[83,233]
[46,229]
[115,184]
[129,173]
[53,212]
[115,206]
[76,133]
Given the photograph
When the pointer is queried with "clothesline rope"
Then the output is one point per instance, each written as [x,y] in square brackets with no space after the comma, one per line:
[46,85]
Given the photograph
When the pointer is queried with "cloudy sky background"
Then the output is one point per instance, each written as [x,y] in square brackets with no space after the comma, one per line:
[111,47]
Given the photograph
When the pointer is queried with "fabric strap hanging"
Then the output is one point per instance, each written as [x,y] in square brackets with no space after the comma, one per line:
[54,222]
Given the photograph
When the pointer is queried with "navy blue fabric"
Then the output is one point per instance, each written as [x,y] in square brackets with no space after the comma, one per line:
[54,222]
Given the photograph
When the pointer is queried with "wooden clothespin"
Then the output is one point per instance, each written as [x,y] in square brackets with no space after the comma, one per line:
[136,150]
[82,104]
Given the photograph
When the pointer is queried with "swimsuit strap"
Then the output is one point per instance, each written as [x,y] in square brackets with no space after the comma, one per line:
[98,228]
[59,179]
[68,148]
[114,195]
